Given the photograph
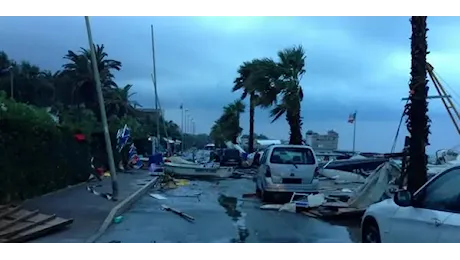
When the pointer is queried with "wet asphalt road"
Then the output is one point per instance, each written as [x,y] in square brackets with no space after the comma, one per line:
[221,216]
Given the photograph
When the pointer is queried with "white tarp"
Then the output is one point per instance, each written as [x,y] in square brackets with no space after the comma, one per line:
[376,185]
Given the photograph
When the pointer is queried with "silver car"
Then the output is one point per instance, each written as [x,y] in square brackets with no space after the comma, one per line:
[285,169]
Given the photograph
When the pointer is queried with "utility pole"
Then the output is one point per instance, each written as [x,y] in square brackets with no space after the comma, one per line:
[182,126]
[185,126]
[108,143]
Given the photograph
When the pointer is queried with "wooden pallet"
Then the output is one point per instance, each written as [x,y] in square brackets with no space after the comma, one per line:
[20,225]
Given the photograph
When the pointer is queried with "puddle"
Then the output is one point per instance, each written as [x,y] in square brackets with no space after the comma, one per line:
[231,205]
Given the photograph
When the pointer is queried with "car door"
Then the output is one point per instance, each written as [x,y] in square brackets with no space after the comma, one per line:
[431,217]
[450,228]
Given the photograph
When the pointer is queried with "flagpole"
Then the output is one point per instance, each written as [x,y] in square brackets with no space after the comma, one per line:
[354,132]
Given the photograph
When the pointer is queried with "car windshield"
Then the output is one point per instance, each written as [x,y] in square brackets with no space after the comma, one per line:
[292,155]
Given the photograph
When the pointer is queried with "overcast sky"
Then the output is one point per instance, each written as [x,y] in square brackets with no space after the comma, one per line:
[353,63]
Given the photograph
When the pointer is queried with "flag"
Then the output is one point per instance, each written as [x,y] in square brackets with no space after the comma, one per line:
[181,106]
[352,118]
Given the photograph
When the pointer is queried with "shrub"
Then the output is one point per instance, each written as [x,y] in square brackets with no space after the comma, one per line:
[37,156]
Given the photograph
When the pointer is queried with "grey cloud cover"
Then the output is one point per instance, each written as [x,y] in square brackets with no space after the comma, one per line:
[353,63]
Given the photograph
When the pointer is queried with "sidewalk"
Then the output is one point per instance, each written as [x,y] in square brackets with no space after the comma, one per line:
[86,209]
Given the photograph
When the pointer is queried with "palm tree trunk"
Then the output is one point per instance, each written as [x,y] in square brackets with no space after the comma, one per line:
[418,121]
[295,125]
[251,122]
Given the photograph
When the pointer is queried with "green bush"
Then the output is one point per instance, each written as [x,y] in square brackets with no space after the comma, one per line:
[37,156]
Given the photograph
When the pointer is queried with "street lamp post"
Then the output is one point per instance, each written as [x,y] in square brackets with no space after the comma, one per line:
[108,143]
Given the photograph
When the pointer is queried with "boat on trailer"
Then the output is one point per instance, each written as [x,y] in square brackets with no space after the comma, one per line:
[197,170]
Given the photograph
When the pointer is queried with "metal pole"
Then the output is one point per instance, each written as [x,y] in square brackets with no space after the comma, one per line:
[108,144]
[155,86]
[354,132]
[182,126]
[185,125]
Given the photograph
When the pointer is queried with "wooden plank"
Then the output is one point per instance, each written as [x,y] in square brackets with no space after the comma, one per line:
[39,231]
[11,223]
[309,214]
[9,212]
[23,226]
[3,207]
[336,204]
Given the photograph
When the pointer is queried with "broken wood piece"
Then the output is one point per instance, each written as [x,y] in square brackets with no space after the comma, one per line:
[157,196]
[20,225]
[309,214]
[9,212]
[178,212]
[3,207]
[19,219]
[336,204]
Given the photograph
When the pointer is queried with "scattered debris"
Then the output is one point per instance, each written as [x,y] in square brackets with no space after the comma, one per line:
[249,195]
[118,220]
[157,196]
[377,186]
[178,212]
[181,182]
[272,206]
[20,225]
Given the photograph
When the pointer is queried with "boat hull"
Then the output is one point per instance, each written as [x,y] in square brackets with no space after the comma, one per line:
[198,170]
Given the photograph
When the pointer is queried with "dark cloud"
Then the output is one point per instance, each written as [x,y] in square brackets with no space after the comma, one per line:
[353,63]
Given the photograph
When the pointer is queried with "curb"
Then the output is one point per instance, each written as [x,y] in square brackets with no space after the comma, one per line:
[120,208]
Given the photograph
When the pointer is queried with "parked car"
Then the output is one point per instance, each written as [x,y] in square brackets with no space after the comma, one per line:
[230,157]
[285,169]
[431,215]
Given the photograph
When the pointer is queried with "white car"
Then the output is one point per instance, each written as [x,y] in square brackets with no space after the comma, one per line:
[432,215]
[286,169]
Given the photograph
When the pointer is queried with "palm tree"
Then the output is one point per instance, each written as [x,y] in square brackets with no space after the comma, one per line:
[417,107]
[119,101]
[80,70]
[227,127]
[291,68]
[253,80]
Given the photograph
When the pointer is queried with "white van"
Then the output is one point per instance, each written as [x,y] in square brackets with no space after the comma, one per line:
[286,169]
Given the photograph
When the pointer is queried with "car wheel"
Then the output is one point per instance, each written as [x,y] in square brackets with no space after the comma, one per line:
[371,233]
[266,197]
[258,191]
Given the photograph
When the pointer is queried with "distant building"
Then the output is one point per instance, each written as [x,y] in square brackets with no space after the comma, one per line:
[319,142]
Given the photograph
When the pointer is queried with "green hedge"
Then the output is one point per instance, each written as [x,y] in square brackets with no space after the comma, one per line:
[37,156]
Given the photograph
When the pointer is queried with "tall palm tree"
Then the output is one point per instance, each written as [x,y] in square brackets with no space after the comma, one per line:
[291,68]
[253,80]
[80,70]
[417,107]
[119,101]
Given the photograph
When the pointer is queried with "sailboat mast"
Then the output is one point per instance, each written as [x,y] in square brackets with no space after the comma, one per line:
[155,87]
